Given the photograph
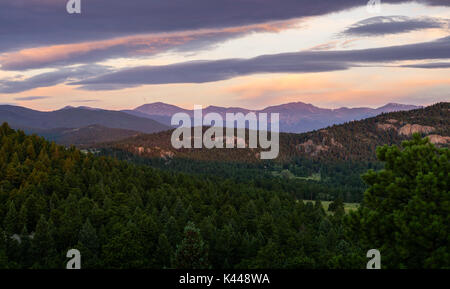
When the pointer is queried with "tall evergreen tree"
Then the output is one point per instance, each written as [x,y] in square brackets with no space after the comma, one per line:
[43,245]
[164,252]
[406,209]
[88,245]
[11,220]
[3,257]
[192,253]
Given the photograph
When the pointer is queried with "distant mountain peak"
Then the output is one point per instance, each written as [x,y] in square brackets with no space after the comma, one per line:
[294,116]
[155,105]
[295,107]
[392,106]
[158,108]
[67,107]
[351,140]
[214,107]
[76,117]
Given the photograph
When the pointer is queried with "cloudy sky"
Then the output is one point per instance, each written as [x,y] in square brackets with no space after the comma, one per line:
[120,54]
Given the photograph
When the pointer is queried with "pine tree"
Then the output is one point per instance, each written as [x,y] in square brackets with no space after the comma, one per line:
[3,257]
[406,207]
[43,246]
[337,207]
[171,231]
[25,249]
[88,245]
[10,221]
[192,253]
[22,218]
[164,252]
[123,250]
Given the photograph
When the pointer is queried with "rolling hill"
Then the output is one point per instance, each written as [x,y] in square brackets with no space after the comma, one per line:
[70,117]
[85,136]
[352,141]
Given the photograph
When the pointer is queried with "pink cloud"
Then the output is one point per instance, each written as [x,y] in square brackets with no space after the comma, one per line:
[129,46]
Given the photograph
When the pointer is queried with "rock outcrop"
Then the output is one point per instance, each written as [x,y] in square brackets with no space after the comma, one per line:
[438,139]
[409,129]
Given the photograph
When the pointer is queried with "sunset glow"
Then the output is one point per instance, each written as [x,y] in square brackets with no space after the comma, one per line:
[50,73]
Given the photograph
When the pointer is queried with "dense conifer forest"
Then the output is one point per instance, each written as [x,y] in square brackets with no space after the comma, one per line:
[121,214]
[305,178]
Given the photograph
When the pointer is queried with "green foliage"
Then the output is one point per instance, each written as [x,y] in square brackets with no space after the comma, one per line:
[337,207]
[10,221]
[88,243]
[309,179]
[406,210]
[43,246]
[192,253]
[164,252]
[125,215]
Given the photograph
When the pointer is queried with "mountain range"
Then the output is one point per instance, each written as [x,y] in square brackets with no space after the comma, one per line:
[84,126]
[352,141]
[295,117]
[71,125]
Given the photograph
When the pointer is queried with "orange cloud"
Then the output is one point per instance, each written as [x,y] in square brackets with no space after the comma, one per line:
[284,85]
[129,46]
[361,86]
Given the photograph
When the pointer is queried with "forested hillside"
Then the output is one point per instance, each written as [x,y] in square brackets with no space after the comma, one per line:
[324,164]
[122,215]
[358,140]
[304,178]
[83,137]
[355,141]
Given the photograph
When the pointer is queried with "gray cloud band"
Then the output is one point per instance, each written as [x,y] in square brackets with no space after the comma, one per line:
[30,98]
[31,23]
[132,46]
[97,77]
[308,61]
[433,65]
[383,25]
[52,78]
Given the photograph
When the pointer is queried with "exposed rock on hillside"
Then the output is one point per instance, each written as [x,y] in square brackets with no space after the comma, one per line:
[438,139]
[409,129]
[386,126]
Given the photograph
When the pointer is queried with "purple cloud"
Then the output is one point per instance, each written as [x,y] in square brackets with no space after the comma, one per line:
[28,98]
[31,23]
[432,65]
[382,25]
[97,77]
[306,61]
[52,78]
[139,45]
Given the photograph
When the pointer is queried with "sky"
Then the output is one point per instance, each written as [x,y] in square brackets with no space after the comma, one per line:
[120,54]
